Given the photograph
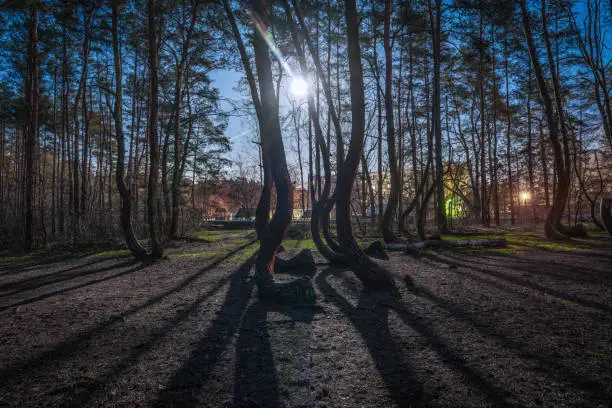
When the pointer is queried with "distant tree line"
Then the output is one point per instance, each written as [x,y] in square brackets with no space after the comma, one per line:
[498,104]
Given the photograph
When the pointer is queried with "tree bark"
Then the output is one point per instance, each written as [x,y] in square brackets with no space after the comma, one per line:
[273,147]
[125,214]
[392,201]
[262,213]
[367,271]
[32,128]
[554,216]
[178,98]
[152,201]
[320,209]
[436,117]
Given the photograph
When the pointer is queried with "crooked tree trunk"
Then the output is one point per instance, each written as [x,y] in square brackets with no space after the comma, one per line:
[320,209]
[562,185]
[262,213]
[272,147]
[366,270]
[565,180]
[125,216]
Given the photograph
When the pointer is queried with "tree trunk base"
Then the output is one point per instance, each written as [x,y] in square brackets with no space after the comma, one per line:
[376,250]
[301,264]
[577,231]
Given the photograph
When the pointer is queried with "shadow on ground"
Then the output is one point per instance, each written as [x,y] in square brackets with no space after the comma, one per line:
[464,330]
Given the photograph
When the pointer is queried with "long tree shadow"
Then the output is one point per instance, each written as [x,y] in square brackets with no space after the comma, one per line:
[66,348]
[182,389]
[255,369]
[75,287]
[555,270]
[371,320]
[54,273]
[370,317]
[546,363]
[531,285]
[237,279]
[58,277]
[256,381]
[42,259]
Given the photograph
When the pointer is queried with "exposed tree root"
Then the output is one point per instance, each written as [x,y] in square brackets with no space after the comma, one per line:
[577,231]
[301,264]
[376,250]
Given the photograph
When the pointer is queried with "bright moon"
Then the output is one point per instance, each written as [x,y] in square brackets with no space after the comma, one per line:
[299,87]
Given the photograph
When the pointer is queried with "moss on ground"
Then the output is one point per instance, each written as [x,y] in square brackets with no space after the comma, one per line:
[216,236]
[113,252]
[519,242]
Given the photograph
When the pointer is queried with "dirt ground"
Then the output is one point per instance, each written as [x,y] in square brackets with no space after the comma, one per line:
[468,329]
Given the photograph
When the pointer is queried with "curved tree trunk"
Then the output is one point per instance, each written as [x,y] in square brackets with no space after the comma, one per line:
[272,142]
[262,213]
[553,219]
[366,270]
[125,216]
[321,208]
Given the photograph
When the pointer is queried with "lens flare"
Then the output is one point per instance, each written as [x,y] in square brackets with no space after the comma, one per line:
[263,31]
[299,87]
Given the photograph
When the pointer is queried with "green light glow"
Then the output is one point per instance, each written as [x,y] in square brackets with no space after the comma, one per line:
[453,206]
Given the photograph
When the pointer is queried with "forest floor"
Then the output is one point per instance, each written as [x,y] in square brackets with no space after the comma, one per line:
[530,326]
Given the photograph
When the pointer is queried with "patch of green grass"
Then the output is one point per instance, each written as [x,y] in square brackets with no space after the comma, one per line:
[222,235]
[52,254]
[246,253]
[211,236]
[113,252]
[9,259]
[194,255]
[222,249]
[519,242]
[306,243]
